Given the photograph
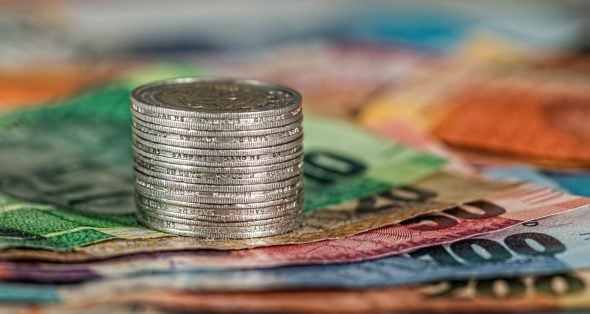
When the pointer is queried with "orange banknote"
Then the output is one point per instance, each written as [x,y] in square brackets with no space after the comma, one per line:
[33,85]
[535,116]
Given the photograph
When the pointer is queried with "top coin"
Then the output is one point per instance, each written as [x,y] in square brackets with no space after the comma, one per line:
[203,96]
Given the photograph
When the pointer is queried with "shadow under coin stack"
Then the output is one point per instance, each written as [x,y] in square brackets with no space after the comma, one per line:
[218,158]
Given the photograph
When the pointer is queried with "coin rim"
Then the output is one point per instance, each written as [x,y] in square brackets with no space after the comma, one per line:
[136,93]
[193,187]
[195,220]
[268,160]
[219,145]
[196,201]
[296,160]
[191,132]
[243,125]
[222,152]
[229,207]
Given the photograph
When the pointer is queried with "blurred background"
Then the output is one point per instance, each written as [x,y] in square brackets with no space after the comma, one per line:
[77,43]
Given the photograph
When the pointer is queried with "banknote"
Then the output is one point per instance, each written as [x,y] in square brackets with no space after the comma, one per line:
[433,193]
[554,292]
[77,157]
[497,211]
[534,293]
[521,173]
[554,244]
[405,133]
[549,107]
[32,86]
[576,182]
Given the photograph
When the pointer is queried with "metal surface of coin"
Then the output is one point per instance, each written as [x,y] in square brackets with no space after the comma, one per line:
[189,188]
[178,158]
[220,215]
[139,124]
[218,197]
[192,116]
[263,205]
[217,232]
[216,142]
[196,233]
[216,227]
[237,217]
[223,178]
[194,96]
[194,220]
[238,153]
[223,142]
[215,172]
[218,124]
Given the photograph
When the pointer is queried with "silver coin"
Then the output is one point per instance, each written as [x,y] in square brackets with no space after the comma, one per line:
[242,142]
[222,178]
[223,143]
[240,154]
[209,96]
[228,198]
[226,207]
[219,124]
[195,232]
[224,219]
[242,230]
[192,117]
[216,227]
[169,157]
[189,188]
[195,220]
[219,196]
[216,214]
[213,172]
[139,124]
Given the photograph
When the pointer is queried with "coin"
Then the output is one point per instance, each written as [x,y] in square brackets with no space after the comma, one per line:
[137,123]
[219,232]
[211,214]
[217,197]
[190,188]
[211,171]
[220,142]
[219,124]
[218,158]
[198,97]
[170,227]
[237,206]
[194,220]
[220,178]
[251,153]
[154,153]
[243,142]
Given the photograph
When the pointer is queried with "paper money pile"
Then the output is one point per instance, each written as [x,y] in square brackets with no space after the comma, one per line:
[218,158]
[394,219]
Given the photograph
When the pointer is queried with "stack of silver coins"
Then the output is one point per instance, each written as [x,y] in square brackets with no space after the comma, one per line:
[218,158]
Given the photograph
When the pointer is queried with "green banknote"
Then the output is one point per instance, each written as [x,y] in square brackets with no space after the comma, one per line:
[66,169]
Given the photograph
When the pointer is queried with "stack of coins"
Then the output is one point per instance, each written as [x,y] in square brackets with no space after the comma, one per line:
[218,158]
